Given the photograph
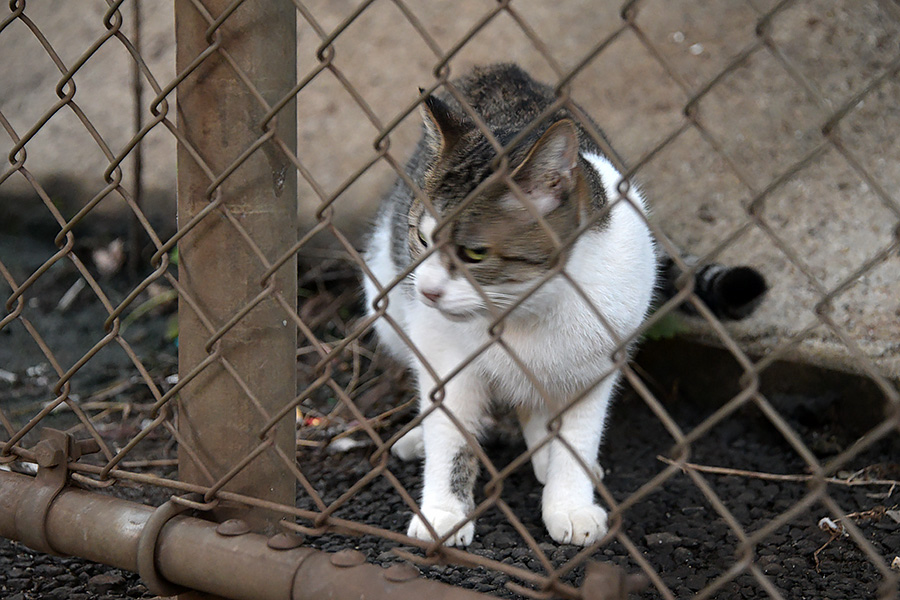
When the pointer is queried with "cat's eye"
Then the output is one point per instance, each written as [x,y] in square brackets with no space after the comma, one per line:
[422,238]
[473,255]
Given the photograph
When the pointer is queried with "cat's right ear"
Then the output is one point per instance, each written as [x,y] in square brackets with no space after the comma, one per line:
[443,127]
[547,175]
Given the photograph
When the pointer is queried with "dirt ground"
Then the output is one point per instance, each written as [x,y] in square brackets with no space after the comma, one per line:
[676,530]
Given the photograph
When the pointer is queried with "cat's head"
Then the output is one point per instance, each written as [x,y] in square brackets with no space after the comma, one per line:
[483,227]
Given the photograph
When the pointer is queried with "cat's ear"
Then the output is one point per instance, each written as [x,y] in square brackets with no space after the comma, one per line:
[443,127]
[547,175]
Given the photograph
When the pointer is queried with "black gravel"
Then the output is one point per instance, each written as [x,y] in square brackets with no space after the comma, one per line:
[675,529]
[27,575]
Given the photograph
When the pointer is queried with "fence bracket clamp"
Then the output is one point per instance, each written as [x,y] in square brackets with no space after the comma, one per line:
[146,550]
[52,454]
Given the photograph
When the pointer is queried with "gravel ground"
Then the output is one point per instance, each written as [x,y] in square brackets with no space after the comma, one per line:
[27,575]
[675,528]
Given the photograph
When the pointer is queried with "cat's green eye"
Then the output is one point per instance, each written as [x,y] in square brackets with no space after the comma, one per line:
[422,238]
[473,255]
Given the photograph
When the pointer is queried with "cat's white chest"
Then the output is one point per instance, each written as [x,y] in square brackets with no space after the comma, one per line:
[559,355]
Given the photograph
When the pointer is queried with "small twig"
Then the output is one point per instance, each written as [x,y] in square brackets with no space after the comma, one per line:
[71,294]
[310,443]
[97,401]
[836,528]
[354,380]
[111,390]
[772,476]
[654,383]
[104,405]
[139,311]
[375,422]
[99,417]
[368,382]
[834,535]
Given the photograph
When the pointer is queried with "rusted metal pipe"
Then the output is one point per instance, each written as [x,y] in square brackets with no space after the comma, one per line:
[93,526]
[228,153]
[191,552]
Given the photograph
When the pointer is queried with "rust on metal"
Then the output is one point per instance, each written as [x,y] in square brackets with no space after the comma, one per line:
[233,527]
[348,558]
[52,454]
[285,541]
[146,550]
[318,578]
[189,553]
[48,454]
[401,572]
[84,447]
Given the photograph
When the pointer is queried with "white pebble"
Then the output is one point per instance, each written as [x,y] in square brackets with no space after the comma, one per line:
[345,444]
[826,524]
[696,49]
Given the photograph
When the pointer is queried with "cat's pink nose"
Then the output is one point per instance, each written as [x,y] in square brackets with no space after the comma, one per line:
[433,295]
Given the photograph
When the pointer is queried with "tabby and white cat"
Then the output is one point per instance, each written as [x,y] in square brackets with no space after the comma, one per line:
[552,347]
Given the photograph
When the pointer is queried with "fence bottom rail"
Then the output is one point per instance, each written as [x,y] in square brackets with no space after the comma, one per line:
[174,552]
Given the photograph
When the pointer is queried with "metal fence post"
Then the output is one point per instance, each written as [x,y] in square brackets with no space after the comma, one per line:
[221,116]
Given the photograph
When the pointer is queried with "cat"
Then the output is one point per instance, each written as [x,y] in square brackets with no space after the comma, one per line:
[552,348]
[730,293]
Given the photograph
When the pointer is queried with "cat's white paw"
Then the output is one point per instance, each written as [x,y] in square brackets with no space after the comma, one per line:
[411,446]
[582,526]
[540,461]
[442,521]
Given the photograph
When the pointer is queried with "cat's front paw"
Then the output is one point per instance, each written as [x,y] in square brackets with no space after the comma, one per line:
[582,525]
[442,521]
[540,461]
[411,446]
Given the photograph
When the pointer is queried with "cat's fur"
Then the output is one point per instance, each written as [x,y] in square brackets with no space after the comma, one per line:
[506,247]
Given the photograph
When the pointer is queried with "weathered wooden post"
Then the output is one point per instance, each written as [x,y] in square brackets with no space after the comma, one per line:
[221,118]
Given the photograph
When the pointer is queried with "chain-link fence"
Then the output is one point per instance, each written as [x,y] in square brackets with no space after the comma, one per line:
[761,133]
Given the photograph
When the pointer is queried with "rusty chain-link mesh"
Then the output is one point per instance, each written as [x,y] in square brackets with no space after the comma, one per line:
[350,396]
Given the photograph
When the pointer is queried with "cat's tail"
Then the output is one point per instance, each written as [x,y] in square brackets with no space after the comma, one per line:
[729,292]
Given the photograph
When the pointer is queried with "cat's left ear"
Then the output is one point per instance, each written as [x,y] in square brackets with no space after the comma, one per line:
[547,175]
[443,127]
